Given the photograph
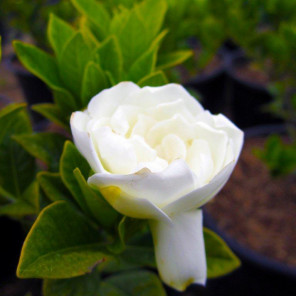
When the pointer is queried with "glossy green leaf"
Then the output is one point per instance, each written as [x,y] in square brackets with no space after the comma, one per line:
[136,283]
[220,259]
[53,186]
[155,79]
[173,59]
[45,146]
[132,257]
[104,214]
[96,13]
[39,63]
[143,66]
[94,81]
[86,285]
[26,204]
[70,160]
[60,244]
[53,113]
[17,169]
[110,57]
[74,58]
[59,33]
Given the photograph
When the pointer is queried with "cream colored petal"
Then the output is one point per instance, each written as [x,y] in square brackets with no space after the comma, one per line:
[179,250]
[116,153]
[155,166]
[143,125]
[127,205]
[83,140]
[177,125]
[200,196]
[143,151]
[152,96]
[105,103]
[159,188]
[199,159]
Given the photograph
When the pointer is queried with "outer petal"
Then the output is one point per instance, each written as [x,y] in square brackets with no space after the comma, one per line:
[140,208]
[108,100]
[152,96]
[159,188]
[202,195]
[179,250]
[83,141]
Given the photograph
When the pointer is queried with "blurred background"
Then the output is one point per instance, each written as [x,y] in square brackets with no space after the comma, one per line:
[243,65]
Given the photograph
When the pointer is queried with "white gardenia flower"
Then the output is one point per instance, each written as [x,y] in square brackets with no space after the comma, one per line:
[158,155]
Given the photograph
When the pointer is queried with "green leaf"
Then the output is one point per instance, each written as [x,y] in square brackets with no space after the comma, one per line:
[132,257]
[143,66]
[96,13]
[173,59]
[53,186]
[220,259]
[70,160]
[110,57]
[97,205]
[46,146]
[89,37]
[136,34]
[60,244]
[53,113]
[27,204]
[17,169]
[136,283]
[72,63]
[59,33]
[39,63]
[155,79]
[86,285]
[94,81]
[65,102]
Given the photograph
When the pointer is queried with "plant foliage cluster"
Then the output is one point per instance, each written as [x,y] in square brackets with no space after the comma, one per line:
[78,243]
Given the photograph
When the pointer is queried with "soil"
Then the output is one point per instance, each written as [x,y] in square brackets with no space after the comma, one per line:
[256,210]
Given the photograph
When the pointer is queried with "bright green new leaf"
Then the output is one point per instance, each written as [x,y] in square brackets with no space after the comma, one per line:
[136,283]
[17,169]
[97,205]
[60,244]
[70,160]
[86,30]
[45,146]
[155,79]
[53,186]
[110,57]
[59,33]
[74,58]
[86,285]
[220,259]
[173,59]
[27,204]
[94,81]
[39,63]
[143,66]
[96,13]
[53,113]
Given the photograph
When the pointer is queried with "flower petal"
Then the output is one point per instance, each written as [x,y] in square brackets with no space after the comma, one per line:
[107,101]
[152,96]
[202,195]
[83,141]
[159,188]
[125,204]
[179,249]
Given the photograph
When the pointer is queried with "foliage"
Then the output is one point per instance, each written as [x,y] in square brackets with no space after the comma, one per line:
[31,16]
[103,50]
[279,157]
